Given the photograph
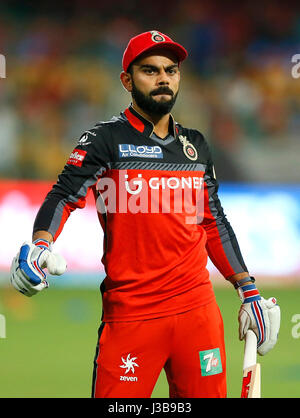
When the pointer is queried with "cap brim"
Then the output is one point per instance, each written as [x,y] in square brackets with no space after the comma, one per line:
[178,50]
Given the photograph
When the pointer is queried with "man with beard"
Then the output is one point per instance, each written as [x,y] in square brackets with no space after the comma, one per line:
[156,195]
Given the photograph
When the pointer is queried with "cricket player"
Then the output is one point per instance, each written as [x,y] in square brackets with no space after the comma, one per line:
[156,195]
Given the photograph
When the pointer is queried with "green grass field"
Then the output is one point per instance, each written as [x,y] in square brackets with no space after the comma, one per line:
[50,343]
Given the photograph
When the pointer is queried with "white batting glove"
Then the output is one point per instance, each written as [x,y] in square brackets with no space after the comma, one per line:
[272,310]
[27,274]
[260,315]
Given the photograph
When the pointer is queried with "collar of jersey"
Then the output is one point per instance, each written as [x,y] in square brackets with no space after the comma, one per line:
[144,125]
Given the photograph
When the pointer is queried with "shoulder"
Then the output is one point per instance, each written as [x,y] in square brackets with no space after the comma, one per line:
[100,132]
[191,133]
[113,123]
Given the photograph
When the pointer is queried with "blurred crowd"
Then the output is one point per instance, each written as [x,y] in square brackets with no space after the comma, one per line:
[63,67]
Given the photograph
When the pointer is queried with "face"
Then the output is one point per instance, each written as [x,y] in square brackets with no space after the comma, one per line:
[154,82]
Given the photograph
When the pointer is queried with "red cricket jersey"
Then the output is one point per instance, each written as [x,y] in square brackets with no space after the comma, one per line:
[158,205]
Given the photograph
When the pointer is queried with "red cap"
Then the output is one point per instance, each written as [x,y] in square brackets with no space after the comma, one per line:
[150,40]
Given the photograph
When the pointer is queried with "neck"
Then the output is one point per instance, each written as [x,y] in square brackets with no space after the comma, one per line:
[160,122]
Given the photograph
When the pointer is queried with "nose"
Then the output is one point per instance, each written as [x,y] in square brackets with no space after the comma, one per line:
[163,78]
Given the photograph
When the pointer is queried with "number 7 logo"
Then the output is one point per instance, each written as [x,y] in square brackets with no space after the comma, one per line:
[210,362]
[209,357]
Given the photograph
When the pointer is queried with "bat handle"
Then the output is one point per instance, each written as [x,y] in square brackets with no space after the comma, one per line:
[250,350]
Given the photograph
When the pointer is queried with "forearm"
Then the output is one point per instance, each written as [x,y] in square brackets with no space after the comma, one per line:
[42,235]
[222,245]
[55,211]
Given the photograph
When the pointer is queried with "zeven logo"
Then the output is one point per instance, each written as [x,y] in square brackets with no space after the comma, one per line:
[144,151]
[210,361]
[129,364]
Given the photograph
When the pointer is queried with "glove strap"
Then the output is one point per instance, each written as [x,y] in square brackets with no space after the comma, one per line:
[239,283]
[42,243]
[248,293]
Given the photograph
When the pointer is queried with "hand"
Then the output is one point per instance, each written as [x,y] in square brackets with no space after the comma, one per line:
[260,315]
[27,274]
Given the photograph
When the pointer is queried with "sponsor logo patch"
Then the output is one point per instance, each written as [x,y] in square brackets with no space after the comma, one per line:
[210,362]
[86,138]
[77,157]
[144,151]
[129,364]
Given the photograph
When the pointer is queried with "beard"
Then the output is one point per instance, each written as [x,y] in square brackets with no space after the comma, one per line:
[150,105]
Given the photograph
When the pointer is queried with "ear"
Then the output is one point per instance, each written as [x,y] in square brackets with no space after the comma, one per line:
[126,80]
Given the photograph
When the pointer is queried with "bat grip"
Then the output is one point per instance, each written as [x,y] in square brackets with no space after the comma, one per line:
[250,350]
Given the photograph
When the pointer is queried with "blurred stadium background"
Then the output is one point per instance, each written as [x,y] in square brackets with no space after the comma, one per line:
[62,76]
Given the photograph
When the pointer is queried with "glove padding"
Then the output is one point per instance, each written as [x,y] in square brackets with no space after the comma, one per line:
[27,274]
[263,317]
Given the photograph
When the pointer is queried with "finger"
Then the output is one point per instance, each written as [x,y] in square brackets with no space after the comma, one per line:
[244,322]
[42,260]
[14,264]
[18,284]
[274,315]
[271,302]
[21,283]
[56,264]
[41,286]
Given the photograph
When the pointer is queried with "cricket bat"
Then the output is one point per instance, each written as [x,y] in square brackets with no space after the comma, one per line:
[251,369]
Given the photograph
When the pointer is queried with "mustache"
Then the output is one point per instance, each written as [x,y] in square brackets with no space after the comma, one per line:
[162,90]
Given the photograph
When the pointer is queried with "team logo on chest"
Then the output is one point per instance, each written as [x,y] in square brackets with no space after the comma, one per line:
[188,148]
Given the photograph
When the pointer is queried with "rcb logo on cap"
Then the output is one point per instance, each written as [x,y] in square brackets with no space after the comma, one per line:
[157,37]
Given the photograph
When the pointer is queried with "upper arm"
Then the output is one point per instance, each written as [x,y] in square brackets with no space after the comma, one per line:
[87,163]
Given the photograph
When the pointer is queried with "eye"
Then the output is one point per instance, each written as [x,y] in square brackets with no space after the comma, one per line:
[149,70]
[172,70]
